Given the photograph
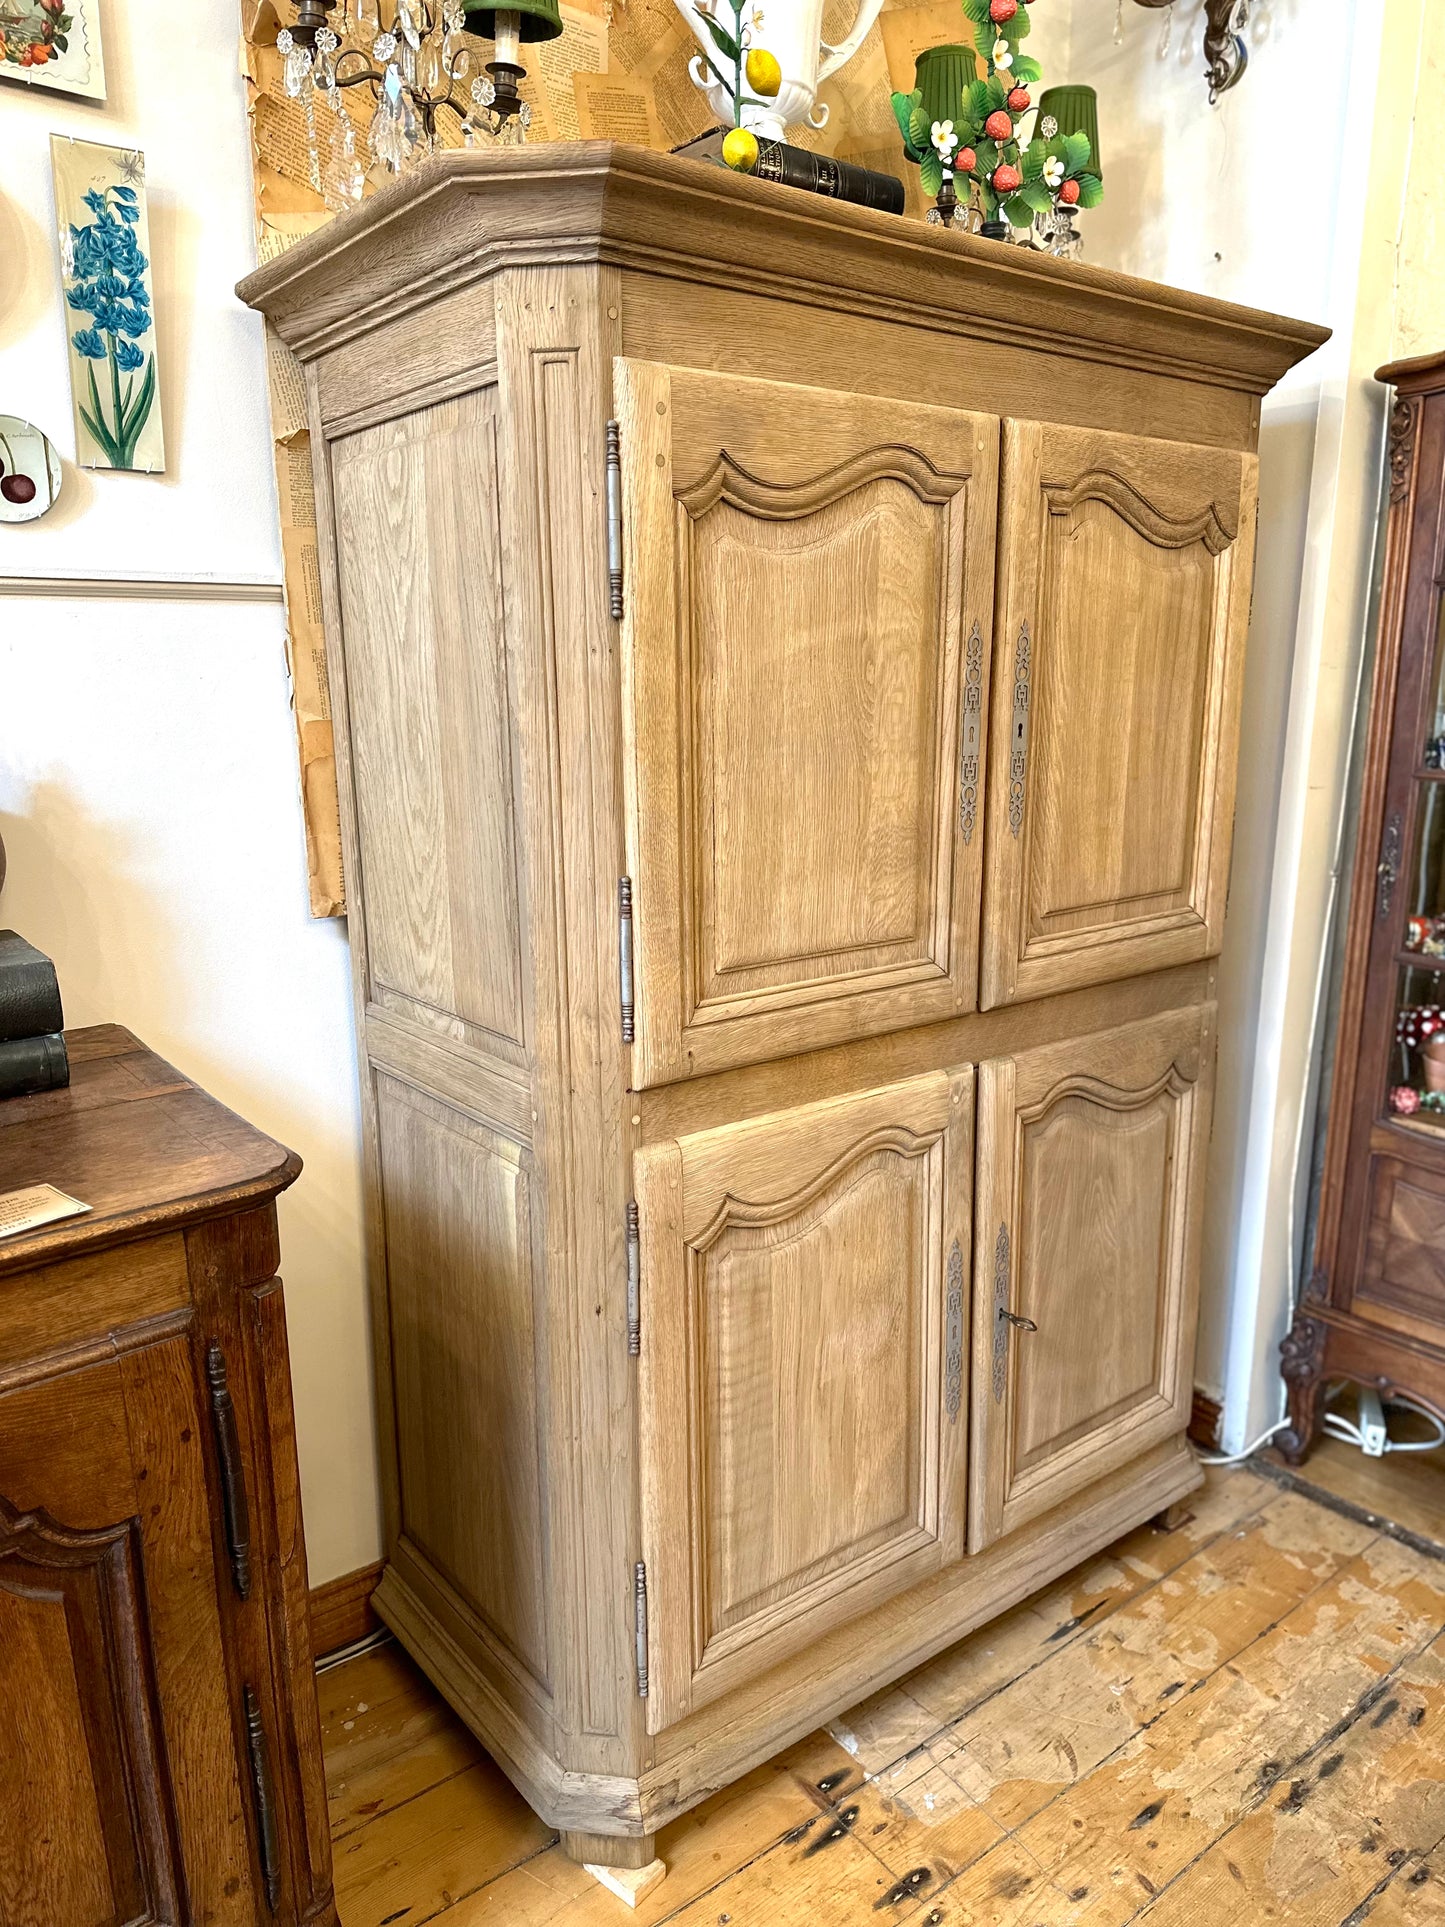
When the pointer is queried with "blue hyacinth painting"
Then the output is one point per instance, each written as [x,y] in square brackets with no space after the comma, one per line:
[105,256]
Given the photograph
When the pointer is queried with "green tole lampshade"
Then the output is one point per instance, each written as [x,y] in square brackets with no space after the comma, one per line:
[940,75]
[1076,109]
[541,19]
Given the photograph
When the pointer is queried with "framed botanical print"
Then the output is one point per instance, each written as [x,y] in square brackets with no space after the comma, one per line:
[105,261]
[54,44]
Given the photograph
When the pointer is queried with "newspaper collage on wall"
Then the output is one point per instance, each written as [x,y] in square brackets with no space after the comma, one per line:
[618,72]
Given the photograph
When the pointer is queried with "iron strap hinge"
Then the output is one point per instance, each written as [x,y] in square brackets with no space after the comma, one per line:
[639,1606]
[614,520]
[634,1282]
[624,954]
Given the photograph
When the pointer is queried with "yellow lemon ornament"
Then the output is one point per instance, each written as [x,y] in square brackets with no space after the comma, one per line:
[740,149]
[765,76]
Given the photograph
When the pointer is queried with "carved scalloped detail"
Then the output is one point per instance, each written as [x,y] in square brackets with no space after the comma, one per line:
[1183,1072]
[743,1213]
[1164,531]
[728,481]
[41,1540]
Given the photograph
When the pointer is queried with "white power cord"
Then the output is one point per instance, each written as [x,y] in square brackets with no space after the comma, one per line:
[1238,1458]
[1372,1434]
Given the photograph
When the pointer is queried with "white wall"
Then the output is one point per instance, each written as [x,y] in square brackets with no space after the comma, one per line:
[148,787]
[1192,197]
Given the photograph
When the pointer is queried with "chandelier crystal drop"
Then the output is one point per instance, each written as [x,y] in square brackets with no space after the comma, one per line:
[414,64]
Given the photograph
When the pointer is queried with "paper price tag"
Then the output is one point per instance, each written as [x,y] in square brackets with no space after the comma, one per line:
[37,1204]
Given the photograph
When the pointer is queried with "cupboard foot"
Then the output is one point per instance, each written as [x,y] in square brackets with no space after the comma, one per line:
[1301,1364]
[1173,1516]
[625,1852]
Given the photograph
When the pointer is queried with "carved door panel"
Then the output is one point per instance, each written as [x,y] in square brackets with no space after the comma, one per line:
[1124,581]
[116,1752]
[803,1307]
[809,588]
[1090,1171]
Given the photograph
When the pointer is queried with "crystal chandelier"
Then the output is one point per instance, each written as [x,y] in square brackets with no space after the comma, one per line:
[412,57]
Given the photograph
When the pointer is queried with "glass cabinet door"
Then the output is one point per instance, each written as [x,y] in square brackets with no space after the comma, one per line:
[1415,1081]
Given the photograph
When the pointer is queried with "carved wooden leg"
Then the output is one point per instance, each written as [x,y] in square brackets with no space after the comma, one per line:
[626,1864]
[1301,1363]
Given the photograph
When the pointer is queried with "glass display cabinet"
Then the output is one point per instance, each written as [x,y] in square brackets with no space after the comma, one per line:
[1374,1308]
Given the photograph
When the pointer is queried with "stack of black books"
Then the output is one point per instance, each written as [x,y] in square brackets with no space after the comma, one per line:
[32,1049]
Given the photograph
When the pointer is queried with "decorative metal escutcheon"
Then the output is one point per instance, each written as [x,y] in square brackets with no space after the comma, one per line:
[1388,868]
[1018,762]
[1000,1309]
[953,1335]
[970,734]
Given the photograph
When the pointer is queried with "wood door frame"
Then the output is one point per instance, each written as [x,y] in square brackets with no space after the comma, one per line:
[681,1031]
[929,1116]
[996,1505]
[1015,965]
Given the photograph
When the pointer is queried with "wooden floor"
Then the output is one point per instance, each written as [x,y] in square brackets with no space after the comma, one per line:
[1240,1721]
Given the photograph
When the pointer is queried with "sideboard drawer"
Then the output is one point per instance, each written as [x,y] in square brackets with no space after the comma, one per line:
[50,1311]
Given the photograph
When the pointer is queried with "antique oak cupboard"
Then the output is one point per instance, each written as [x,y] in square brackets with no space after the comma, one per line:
[786,672]
[160,1746]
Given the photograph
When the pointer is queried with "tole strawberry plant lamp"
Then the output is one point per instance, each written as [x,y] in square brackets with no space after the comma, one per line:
[979,142]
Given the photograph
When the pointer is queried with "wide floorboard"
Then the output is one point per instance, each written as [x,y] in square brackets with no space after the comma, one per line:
[1237,1722]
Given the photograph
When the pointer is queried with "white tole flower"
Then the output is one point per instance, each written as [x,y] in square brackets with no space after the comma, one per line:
[1002,54]
[944,139]
[1053,174]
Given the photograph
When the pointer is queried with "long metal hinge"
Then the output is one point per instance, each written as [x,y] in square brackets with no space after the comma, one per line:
[639,1604]
[614,520]
[263,1796]
[624,953]
[233,1474]
[634,1282]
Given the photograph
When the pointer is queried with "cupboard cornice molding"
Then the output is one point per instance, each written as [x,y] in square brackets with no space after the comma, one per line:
[467,215]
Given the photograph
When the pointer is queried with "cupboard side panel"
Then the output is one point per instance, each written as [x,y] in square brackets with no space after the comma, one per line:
[556,334]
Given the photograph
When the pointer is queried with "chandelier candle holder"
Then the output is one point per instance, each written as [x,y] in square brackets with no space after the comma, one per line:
[413,57]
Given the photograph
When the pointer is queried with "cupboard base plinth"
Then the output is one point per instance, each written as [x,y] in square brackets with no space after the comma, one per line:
[680,1767]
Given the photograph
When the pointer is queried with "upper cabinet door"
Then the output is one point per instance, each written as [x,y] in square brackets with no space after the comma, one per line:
[804,1292]
[809,584]
[1090,1168]
[1123,602]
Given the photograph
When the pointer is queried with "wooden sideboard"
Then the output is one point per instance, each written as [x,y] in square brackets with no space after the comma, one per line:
[786,668]
[160,1747]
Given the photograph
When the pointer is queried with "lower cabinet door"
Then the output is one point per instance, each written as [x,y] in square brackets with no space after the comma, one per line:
[803,1294]
[120,1802]
[1090,1166]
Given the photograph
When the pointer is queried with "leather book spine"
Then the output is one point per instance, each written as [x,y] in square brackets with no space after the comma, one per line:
[29,990]
[822,174]
[30,1064]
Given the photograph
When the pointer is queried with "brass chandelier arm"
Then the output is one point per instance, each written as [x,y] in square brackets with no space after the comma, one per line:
[1225,54]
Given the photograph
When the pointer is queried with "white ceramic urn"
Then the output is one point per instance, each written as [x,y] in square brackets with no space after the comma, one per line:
[790,30]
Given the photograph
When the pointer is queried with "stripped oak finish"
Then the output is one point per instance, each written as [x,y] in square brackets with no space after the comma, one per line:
[725,875]
[1241,1719]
